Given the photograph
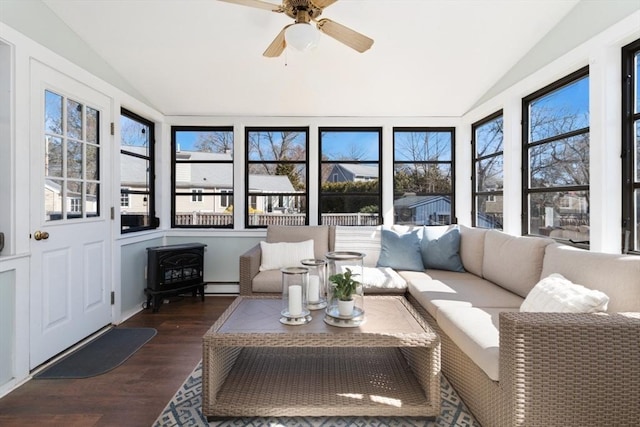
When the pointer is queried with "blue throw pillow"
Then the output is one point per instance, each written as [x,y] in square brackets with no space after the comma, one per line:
[401,251]
[442,253]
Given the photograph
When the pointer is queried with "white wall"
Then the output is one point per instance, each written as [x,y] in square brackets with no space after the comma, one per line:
[17,53]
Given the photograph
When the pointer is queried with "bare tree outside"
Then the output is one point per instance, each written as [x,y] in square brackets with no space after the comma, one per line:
[214,142]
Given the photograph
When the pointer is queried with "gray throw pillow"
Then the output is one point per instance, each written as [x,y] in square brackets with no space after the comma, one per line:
[442,253]
[401,251]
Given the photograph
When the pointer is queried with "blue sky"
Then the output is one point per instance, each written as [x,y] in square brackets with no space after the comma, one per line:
[336,144]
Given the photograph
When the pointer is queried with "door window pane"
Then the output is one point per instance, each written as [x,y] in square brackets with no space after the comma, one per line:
[92,126]
[92,161]
[53,199]
[53,113]
[53,157]
[74,119]
[74,159]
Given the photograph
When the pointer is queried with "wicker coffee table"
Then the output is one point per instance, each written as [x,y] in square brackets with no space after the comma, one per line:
[253,365]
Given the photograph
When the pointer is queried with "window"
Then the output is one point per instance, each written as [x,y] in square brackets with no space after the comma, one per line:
[350,190]
[124,197]
[225,200]
[631,147]
[202,159]
[556,160]
[137,177]
[75,205]
[196,195]
[488,172]
[72,159]
[276,176]
[423,176]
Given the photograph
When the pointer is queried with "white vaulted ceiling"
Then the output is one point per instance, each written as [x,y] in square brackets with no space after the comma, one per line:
[204,57]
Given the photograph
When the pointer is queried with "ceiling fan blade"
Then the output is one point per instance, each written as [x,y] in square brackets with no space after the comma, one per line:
[258,4]
[345,35]
[323,3]
[278,44]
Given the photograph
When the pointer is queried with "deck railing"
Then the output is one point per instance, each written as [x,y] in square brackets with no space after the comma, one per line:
[263,219]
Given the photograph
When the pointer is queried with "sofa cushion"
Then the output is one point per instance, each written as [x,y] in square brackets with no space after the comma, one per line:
[476,331]
[442,253]
[618,276]
[382,280]
[267,281]
[400,250]
[515,263]
[555,294]
[467,290]
[275,256]
[299,233]
[365,239]
[472,248]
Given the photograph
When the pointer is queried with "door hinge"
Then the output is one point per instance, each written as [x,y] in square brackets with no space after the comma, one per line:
[113,128]
[113,213]
[113,297]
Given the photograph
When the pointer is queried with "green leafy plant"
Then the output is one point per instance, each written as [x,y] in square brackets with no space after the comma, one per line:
[344,284]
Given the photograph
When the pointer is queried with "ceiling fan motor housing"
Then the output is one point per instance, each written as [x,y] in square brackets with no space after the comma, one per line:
[293,9]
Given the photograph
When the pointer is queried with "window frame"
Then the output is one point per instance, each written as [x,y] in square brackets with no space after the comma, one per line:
[630,182]
[321,163]
[527,145]
[251,199]
[153,222]
[453,219]
[189,192]
[474,163]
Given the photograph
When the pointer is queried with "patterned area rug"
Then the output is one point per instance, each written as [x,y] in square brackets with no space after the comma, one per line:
[184,409]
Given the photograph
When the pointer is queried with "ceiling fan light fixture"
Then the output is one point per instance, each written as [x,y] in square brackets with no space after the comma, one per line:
[302,36]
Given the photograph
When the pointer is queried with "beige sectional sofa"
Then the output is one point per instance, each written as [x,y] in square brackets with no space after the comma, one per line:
[516,368]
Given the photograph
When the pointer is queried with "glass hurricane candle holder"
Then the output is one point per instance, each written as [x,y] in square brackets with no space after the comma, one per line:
[294,296]
[317,284]
[345,306]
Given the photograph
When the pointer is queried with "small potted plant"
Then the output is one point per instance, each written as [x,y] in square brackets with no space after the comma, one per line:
[343,286]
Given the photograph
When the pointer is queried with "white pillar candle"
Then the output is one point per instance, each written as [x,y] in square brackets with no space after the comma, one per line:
[313,295]
[295,300]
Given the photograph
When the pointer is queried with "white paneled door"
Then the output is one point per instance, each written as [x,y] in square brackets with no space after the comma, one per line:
[70,223]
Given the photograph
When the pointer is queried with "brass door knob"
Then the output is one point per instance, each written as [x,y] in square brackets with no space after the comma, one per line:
[41,235]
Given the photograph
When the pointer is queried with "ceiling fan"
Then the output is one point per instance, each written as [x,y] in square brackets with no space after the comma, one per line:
[304,11]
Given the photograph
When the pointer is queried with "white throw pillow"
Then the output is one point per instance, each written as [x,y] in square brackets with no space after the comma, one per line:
[284,254]
[364,239]
[556,294]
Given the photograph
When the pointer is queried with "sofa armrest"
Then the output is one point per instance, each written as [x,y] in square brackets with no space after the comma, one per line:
[571,369]
[249,268]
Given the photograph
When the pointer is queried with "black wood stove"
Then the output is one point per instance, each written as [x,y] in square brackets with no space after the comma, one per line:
[173,270]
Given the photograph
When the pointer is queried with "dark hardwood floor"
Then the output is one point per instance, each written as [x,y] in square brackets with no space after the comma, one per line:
[134,393]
